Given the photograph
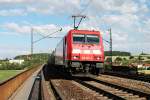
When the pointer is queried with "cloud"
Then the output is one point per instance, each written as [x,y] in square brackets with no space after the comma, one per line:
[14,27]
[73,6]
[45,28]
[13,12]
[55,7]
[119,6]
[39,7]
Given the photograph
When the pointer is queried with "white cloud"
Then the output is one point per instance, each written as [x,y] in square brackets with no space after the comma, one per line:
[27,28]
[45,29]
[40,6]
[121,6]
[16,28]
[74,6]
[13,12]
[10,1]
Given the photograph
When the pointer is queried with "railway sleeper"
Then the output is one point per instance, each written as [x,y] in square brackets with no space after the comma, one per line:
[123,88]
[94,93]
[113,91]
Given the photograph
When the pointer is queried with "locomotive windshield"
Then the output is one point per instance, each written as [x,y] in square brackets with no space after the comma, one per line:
[92,39]
[78,38]
[86,38]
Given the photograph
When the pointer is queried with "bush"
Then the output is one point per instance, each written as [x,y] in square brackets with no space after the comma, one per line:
[131,57]
[10,66]
[148,57]
[118,59]
[15,66]
[28,62]
[107,67]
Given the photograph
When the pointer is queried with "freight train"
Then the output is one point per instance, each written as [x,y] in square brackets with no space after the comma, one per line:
[80,51]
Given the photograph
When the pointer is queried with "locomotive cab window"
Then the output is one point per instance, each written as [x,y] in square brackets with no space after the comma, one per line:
[92,39]
[86,38]
[78,38]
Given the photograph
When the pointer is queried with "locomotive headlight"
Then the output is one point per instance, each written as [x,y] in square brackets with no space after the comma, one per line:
[96,52]
[75,57]
[98,58]
[76,51]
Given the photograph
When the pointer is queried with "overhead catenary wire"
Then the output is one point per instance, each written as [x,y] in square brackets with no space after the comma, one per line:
[47,36]
[106,40]
[81,11]
[56,37]
[43,37]
[38,31]
[85,8]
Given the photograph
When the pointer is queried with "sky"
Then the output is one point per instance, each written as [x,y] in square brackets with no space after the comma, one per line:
[128,19]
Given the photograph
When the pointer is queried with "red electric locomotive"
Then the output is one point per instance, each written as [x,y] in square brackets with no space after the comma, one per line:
[80,51]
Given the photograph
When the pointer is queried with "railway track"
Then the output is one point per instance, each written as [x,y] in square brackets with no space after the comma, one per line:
[71,90]
[93,88]
[65,87]
[139,86]
[109,91]
[145,78]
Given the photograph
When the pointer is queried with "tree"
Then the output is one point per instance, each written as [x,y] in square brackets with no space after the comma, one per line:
[117,53]
[131,57]
[108,59]
[118,59]
[124,59]
[148,57]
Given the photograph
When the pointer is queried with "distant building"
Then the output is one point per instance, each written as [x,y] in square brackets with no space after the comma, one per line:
[146,65]
[140,66]
[16,61]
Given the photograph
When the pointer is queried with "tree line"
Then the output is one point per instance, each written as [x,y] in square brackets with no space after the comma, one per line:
[117,53]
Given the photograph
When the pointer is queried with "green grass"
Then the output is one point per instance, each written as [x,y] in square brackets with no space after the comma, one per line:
[5,74]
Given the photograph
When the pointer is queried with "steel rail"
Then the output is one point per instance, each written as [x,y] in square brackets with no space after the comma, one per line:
[98,90]
[119,86]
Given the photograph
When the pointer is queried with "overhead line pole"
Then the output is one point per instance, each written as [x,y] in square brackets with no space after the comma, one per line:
[31,41]
[110,45]
[74,21]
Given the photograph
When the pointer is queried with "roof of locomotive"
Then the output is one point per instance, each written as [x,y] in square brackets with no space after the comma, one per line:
[83,31]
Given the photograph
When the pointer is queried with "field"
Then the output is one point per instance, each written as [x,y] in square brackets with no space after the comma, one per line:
[5,74]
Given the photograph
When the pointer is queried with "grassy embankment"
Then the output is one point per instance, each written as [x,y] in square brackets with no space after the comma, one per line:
[6,74]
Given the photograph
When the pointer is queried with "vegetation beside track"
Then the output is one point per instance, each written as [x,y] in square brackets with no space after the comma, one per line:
[29,61]
[5,74]
[8,70]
